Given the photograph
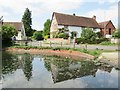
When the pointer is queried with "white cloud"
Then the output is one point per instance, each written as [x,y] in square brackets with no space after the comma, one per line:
[106,1]
[105,14]
[38,6]
[102,1]
[12,10]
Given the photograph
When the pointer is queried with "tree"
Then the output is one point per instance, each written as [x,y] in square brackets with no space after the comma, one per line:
[99,34]
[87,36]
[38,35]
[116,34]
[7,32]
[87,33]
[46,30]
[27,22]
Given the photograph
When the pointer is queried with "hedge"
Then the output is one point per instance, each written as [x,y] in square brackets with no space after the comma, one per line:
[96,41]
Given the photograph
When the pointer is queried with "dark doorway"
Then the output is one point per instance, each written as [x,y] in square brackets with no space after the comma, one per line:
[109,31]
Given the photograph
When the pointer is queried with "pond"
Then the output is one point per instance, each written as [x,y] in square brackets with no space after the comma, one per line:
[37,71]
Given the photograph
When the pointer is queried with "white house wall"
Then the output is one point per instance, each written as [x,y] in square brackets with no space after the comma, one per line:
[75,29]
[54,25]
[96,30]
[21,34]
[60,26]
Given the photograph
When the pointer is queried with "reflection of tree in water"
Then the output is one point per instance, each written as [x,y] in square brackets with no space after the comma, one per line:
[12,62]
[47,64]
[64,69]
[27,65]
[9,63]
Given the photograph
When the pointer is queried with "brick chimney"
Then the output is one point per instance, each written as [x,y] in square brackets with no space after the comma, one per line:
[94,17]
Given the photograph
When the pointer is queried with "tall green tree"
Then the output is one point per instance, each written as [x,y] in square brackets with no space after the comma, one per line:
[46,30]
[7,32]
[27,21]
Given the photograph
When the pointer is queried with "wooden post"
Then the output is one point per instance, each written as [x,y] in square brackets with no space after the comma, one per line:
[86,46]
[74,41]
[39,43]
[61,44]
[69,40]
[74,45]
[50,44]
[26,43]
[31,43]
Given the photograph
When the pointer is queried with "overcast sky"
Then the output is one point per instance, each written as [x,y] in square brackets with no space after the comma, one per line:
[12,10]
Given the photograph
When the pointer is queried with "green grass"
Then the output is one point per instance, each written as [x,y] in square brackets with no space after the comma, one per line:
[31,47]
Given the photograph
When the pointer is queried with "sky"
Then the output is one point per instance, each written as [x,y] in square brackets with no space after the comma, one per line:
[13,10]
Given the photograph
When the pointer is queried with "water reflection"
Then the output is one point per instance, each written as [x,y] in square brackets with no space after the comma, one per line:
[38,70]
[11,62]
[27,65]
[67,69]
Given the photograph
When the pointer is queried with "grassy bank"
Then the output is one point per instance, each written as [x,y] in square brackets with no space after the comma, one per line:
[95,53]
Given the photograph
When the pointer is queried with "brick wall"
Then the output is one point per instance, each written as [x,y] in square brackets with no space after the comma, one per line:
[105,31]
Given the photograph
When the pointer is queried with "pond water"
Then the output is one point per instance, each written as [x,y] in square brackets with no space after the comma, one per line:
[36,71]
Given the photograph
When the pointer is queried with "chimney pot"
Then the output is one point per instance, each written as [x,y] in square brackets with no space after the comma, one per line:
[94,17]
[73,14]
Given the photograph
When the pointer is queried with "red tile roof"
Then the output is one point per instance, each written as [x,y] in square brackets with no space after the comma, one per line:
[71,20]
[103,24]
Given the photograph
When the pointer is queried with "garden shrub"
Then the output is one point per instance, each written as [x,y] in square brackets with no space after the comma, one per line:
[116,34]
[90,41]
[73,34]
[63,35]
[37,35]
[46,37]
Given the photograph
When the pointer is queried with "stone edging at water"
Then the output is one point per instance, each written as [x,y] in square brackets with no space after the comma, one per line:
[110,58]
[63,53]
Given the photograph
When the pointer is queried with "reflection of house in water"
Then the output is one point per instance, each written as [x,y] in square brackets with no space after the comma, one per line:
[72,71]
[64,70]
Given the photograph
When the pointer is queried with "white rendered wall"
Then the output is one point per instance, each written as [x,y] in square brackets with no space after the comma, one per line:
[75,29]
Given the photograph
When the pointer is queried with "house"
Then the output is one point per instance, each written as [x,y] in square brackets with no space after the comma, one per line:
[20,29]
[71,22]
[107,28]
[74,23]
